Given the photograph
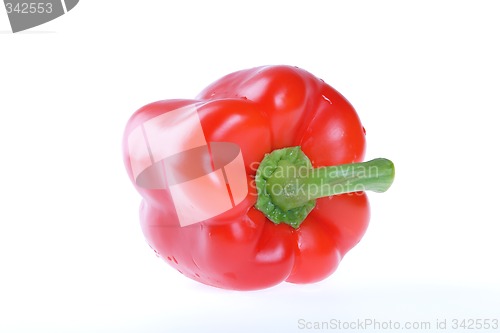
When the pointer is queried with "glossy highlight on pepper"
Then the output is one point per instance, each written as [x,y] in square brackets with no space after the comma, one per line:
[268,228]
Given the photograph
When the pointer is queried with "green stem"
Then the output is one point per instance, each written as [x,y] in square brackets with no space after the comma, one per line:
[288,185]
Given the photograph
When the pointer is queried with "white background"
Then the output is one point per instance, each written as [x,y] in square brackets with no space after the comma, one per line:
[424,77]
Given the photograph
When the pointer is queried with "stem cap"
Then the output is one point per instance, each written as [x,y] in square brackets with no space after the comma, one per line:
[288,185]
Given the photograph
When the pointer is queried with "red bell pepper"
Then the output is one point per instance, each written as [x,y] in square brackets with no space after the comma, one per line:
[302,206]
